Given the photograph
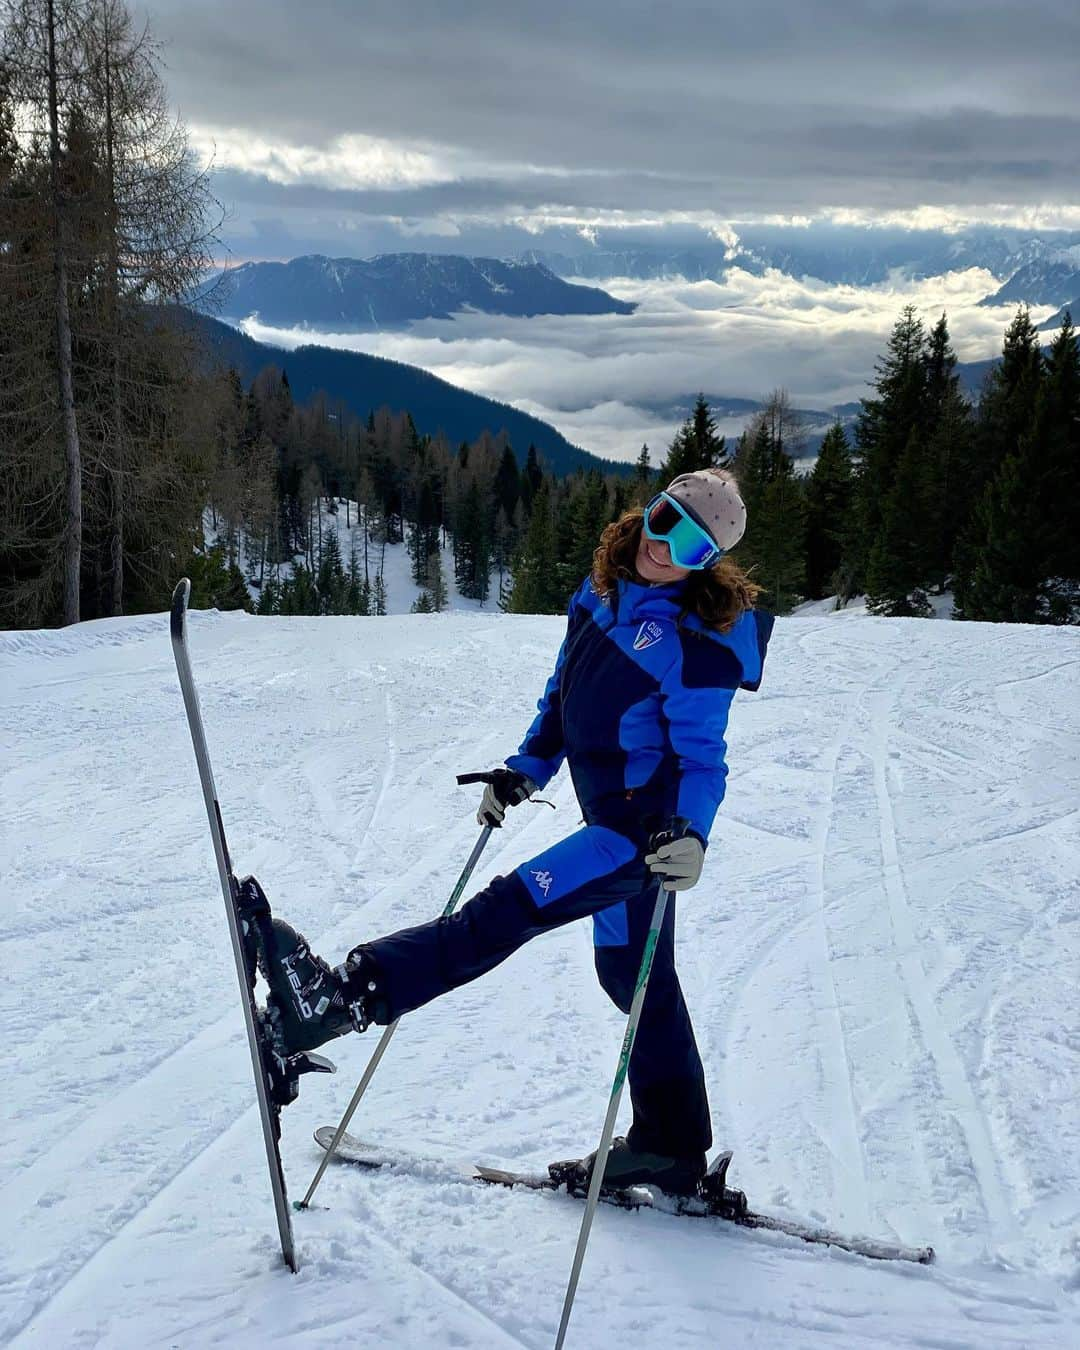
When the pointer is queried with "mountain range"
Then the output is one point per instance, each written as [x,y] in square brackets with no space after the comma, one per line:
[394,289]
[839,254]
[1044,282]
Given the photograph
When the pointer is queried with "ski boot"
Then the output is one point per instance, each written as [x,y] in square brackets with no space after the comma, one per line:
[310,1002]
[283,1065]
[628,1166]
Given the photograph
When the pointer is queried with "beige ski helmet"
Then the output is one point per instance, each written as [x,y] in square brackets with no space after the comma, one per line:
[712,496]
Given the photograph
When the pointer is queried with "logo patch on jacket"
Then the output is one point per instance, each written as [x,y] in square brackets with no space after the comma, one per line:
[648,635]
[543,880]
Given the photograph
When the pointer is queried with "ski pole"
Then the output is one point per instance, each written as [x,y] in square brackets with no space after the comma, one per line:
[600,1160]
[384,1041]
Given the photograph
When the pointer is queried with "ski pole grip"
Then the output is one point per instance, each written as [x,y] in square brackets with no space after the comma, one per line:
[466,778]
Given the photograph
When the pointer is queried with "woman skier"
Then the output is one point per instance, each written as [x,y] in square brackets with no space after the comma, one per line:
[659,637]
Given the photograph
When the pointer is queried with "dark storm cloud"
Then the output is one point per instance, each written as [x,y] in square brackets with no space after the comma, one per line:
[462,197]
[729,109]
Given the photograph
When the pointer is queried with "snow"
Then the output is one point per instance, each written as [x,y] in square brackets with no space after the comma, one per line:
[940,605]
[882,962]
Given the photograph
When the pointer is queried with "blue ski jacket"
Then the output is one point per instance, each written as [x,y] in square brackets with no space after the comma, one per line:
[638,706]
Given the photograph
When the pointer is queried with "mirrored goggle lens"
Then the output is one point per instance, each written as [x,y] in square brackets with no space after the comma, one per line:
[690,546]
[663,517]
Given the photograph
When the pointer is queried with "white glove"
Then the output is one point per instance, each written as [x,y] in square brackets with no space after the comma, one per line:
[679,863]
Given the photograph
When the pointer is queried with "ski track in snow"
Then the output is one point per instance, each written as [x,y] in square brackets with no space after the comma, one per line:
[882,963]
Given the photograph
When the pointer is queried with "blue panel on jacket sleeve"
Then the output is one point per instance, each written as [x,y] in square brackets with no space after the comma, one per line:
[697,721]
[584,857]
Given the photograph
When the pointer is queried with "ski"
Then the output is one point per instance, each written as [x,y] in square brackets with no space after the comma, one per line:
[716,1200]
[248,914]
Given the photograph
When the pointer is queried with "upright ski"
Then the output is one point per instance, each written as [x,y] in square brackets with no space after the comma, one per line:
[248,915]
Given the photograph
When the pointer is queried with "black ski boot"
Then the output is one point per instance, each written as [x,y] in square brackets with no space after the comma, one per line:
[627,1166]
[310,1002]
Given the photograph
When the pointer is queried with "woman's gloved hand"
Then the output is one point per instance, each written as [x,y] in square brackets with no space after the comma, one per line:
[507,788]
[678,862]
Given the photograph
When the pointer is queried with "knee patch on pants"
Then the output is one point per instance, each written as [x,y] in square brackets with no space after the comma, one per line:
[582,861]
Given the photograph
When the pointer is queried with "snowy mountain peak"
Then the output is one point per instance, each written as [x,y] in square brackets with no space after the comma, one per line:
[394,289]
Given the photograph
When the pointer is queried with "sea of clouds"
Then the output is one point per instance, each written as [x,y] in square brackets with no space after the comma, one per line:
[611,382]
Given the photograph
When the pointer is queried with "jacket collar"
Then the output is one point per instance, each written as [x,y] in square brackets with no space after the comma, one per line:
[635,600]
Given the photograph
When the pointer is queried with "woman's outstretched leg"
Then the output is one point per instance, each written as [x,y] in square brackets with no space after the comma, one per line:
[312,1002]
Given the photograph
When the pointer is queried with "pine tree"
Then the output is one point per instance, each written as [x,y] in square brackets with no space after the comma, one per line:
[1007,407]
[507,483]
[217,582]
[302,591]
[885,427]
[584,516]
[424,532]
[531,477]
[696,445]
[378,592]
[774,543]
[777,545]
[102,226]
[1007,469]
[269,598]
[828,507]
[1003,585]
[950,478]
[355,598]
[1057,438]
[754,466]
[436,582]
[472,544]
[897,561]
[643,489]
[331,581]
[536,585]
[1022,557]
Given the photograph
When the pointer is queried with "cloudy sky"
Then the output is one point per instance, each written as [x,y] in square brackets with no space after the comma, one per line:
[350,128]
[610,383]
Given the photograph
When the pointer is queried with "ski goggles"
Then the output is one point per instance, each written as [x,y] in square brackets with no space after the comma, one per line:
[690,544]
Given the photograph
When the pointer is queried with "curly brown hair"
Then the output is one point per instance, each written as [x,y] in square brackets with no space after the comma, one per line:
[717,595]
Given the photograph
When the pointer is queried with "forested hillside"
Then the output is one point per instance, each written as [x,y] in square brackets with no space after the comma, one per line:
[363,382]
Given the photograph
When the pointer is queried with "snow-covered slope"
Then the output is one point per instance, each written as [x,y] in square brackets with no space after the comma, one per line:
[882,962]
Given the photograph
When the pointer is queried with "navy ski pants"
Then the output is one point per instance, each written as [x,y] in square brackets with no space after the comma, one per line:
[596,872]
